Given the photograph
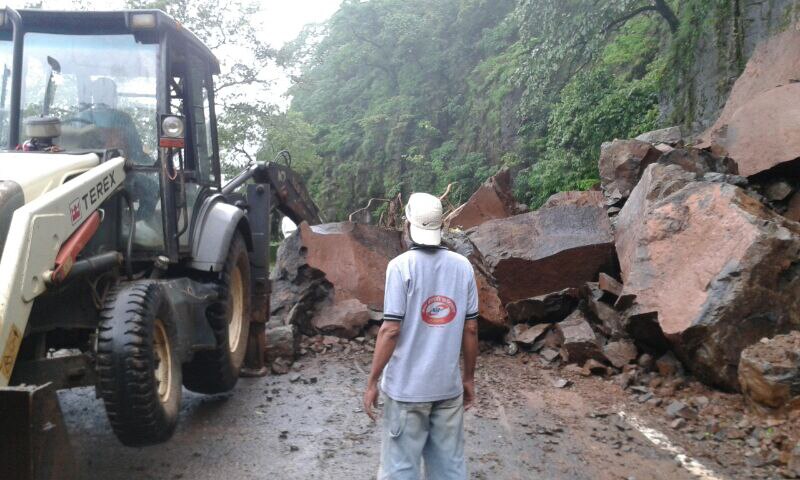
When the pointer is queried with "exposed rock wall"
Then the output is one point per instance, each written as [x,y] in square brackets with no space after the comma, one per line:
[715,52]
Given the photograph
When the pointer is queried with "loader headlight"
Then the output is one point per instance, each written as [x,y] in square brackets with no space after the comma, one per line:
[141,21]
[172,131]
[172,126]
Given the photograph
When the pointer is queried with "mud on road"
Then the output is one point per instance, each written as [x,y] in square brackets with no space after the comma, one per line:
[309,424]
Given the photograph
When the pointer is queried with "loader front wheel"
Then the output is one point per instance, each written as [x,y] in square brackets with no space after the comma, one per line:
[139,373]
[217,370]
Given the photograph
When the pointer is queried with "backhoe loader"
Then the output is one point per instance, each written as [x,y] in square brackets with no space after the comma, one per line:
[125,262]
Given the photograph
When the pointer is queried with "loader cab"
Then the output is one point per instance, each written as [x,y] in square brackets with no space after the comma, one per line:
[131,83]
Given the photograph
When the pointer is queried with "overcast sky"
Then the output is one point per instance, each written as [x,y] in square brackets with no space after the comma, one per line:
[281,21]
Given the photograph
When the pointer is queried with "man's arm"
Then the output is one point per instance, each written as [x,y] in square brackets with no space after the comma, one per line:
[384,348]
[469,347]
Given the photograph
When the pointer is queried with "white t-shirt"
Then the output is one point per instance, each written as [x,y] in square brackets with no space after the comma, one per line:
[432,292]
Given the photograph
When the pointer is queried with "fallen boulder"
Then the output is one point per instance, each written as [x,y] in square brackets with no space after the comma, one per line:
[671,136]
[758,127]
[548,308]
[712,264]
[492,316]
[578,198]
[579,343]
[621,164]
[493,199]
[345,318]
[320,263]
[769,373]
[353,257]
[545,251]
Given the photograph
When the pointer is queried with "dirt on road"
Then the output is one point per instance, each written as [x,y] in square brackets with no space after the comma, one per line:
[309,424]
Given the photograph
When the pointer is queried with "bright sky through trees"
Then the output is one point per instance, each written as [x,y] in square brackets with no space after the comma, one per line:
[281,20]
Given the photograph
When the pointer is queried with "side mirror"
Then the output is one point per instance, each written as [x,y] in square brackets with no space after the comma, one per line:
[171,132]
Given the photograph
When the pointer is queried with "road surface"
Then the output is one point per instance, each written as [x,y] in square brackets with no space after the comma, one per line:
[309,424]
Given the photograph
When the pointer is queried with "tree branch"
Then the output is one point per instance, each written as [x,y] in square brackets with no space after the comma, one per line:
[621,20]
[660,7]
[668,14]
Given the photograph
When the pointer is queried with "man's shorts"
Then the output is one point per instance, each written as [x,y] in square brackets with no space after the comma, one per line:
[433,431]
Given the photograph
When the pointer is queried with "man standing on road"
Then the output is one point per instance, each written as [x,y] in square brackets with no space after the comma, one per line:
[430,316]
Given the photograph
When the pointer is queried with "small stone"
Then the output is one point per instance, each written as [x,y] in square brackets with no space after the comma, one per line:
[668,366]
[280,366]
[295,378]
[549,354]
[680,409]
[778,191]
[701,402]
[512,349]
[677,424]
[646,361]
[654,402]
[561,382]
[595,368]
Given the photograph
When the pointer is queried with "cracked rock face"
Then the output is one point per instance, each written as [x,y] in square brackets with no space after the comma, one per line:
[758,127]
[545,251]
[718,268]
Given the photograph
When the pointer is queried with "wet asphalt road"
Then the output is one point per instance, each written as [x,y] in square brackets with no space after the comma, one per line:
[313,428]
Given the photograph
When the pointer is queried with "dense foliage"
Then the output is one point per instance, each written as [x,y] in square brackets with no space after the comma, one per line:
[395,96]
[408,95]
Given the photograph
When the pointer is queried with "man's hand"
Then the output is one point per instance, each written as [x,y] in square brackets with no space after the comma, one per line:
[384,347]
[469,394]
[370,401]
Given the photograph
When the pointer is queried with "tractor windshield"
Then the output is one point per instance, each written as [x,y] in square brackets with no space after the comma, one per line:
[6,59]
[102,88]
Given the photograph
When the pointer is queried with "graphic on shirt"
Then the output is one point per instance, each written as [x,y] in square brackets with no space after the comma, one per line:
[438,310]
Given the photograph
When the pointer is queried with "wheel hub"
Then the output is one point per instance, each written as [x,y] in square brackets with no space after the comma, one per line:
[163,361]
[236,320]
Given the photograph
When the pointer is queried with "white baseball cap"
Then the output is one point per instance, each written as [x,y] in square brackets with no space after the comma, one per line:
[424,214]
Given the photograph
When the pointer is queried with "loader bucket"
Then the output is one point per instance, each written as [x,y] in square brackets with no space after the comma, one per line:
[34,444]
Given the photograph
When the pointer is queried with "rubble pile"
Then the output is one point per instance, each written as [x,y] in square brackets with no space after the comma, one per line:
[685,258]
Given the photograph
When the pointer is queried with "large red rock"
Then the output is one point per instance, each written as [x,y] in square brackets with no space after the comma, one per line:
[493,319]
[493,199]
[545,251]
[718,268]
[588,198]
[341,261]
[353,257]
[621,164]
[758,127]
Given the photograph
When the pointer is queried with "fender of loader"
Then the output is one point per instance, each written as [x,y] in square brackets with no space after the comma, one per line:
[37,231]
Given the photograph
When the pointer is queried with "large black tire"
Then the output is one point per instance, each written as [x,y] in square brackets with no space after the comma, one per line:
[139,374]
[217,370]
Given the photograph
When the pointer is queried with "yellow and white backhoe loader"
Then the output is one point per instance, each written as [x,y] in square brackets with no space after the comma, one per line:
[125,263]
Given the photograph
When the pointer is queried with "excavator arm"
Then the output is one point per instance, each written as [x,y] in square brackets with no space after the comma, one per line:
[289,194]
